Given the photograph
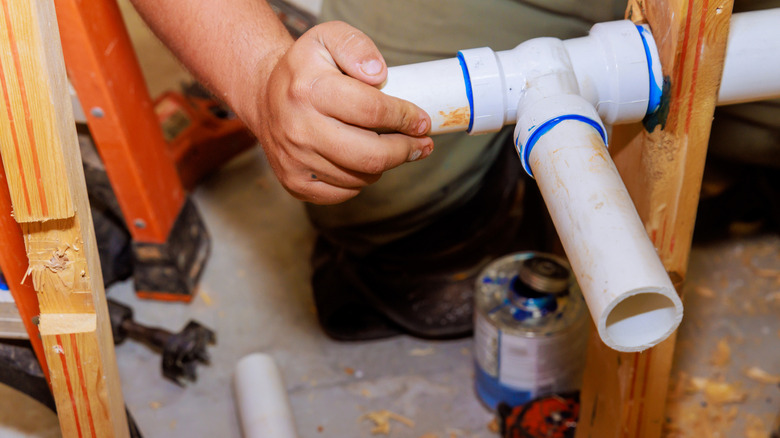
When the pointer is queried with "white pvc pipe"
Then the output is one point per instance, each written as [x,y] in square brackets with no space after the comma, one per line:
[558,93]
[561,142]
[616,65]
[438,87]
[610,64]
[751,70]
[629,294]
[263,407]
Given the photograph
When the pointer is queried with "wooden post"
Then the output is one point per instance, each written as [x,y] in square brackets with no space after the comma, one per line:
[624,394]
[46,181]
[14,264]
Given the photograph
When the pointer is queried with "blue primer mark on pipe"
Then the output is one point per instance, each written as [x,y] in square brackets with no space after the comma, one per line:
[654,99]
[545,127]
[469,93]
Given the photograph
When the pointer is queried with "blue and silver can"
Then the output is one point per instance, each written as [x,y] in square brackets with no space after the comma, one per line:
[530,329]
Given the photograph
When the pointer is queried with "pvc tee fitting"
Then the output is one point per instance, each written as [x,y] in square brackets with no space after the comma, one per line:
[616,68]
[558,93]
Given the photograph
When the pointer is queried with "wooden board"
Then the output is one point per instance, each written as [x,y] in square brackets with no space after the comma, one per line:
[624,395]
[37,137]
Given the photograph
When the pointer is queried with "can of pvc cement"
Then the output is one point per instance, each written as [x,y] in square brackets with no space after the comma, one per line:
[530,329]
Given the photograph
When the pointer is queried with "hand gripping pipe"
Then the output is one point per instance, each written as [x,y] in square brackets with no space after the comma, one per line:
[560,94]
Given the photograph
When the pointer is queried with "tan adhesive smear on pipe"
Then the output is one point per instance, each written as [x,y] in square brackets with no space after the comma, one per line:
[628,292]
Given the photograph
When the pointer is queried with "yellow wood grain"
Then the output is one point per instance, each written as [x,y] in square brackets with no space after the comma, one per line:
[30,135]
[623,394]
[42,161]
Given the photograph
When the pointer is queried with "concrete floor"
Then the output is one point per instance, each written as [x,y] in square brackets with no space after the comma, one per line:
[255,295]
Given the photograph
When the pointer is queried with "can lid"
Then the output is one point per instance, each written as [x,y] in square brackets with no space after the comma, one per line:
[544,274]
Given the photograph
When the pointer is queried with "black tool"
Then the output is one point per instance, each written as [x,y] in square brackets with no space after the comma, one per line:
[180,351]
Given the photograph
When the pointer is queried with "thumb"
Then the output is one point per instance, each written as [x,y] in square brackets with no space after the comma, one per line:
[353,52]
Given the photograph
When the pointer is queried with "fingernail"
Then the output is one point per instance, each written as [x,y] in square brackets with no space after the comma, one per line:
[422,128]
[372,67]
[415,155]
[427,151]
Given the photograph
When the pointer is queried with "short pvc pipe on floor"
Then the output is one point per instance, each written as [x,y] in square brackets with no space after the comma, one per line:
[263,407]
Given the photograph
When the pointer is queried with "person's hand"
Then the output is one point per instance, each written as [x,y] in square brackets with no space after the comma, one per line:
[326,129]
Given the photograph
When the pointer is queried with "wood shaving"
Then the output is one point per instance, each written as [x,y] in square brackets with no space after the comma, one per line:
[704,291]
[762,376]
[718,392]
[755,427]
[421,351]
[349,370]
[493,426]
[722,354]
[206,298]
[767,273]
[688,417]
[155,405]
[381,420]
[429,435]
[58,262]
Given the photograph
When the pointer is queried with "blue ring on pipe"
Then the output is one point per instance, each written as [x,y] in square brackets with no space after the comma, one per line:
[469,93]
[545,127]
[654,98]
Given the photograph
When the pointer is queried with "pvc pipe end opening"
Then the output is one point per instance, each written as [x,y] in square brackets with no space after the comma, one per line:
[641,320]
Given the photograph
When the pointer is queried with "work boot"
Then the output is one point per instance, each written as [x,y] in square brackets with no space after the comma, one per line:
[423,284]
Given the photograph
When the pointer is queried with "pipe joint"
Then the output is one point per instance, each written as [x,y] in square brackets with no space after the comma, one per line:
[485,89]
[618,70]
[540,116]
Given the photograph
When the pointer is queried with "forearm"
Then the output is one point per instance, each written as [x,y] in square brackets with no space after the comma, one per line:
[231,46]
